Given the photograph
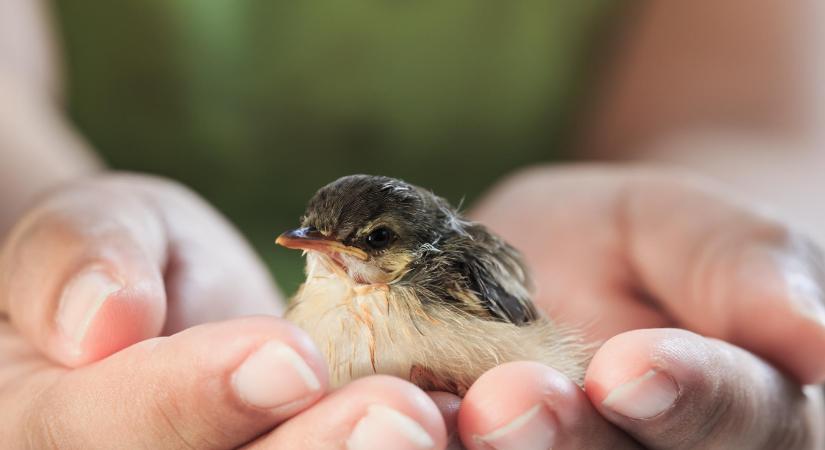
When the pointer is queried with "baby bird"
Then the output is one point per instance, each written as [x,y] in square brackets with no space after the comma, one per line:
[399,283]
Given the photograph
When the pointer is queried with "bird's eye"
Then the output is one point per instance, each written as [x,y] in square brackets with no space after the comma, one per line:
[379,238]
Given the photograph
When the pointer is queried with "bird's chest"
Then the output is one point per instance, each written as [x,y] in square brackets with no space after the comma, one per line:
[361,329]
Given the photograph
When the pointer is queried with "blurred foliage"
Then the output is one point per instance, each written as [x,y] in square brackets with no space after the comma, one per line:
[257,103]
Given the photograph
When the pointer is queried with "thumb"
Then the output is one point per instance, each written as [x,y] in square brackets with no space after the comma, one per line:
[217,385]
[80,275]
[670,388]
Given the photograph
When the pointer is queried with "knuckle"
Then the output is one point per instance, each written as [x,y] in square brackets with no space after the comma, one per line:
[724,417]
[166,419]
[794,426]
[732,413]
[39,433]
[710,408]
[705,415]
[176,414]
[44,424]
[44,225]
[793,436]
[64,220]
[758,411]
[173,421]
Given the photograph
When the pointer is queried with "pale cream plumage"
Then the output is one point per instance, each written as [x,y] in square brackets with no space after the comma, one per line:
[364,329]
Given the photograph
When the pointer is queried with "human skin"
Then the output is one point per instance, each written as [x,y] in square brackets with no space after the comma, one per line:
[635,257]
[619,263]
[169,263]
[38,148]
[121,295]
[732,89]
[155,376]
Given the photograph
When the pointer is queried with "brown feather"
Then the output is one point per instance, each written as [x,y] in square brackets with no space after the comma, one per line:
[440,302]
[390,331]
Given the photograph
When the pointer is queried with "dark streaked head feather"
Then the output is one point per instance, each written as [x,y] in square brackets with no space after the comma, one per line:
[447,260]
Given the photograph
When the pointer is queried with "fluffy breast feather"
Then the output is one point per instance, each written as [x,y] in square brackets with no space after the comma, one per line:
[368,329]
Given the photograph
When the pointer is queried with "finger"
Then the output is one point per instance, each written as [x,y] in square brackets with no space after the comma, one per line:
[672,389]
[108,262]
[565,221]
[666,244]
[526,405]
[211,272]
[719,270]
[80,275]
[378,412]
[213,386]
[449,405]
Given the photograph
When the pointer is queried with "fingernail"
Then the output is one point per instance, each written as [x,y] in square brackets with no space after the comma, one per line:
[787,275]
[274,376]
[384,427]
[806,294]
[82,298]
[533,430]
[642,398]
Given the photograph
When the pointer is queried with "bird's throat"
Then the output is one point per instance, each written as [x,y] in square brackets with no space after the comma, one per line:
[349,321]
[351,270]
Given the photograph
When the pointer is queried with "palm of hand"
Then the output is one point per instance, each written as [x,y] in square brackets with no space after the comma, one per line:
[617,252]
[610,254]
[573,237]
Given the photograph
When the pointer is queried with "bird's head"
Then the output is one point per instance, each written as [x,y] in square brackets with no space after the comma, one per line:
[372,227]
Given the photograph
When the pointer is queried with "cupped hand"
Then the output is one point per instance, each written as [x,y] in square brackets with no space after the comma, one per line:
[103,286]
[107,262]
[635,257]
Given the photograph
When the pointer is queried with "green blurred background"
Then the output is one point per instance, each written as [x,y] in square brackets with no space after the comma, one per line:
[257,103]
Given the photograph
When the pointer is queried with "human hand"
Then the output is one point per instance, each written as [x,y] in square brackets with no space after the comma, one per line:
[118,267]
[618,251]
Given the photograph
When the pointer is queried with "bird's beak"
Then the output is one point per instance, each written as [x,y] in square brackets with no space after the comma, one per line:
[307,239]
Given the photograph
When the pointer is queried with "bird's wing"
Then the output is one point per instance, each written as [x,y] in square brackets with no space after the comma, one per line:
[496,273]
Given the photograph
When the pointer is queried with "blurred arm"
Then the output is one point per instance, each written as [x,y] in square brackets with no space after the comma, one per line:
[38,148]
[731,88]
